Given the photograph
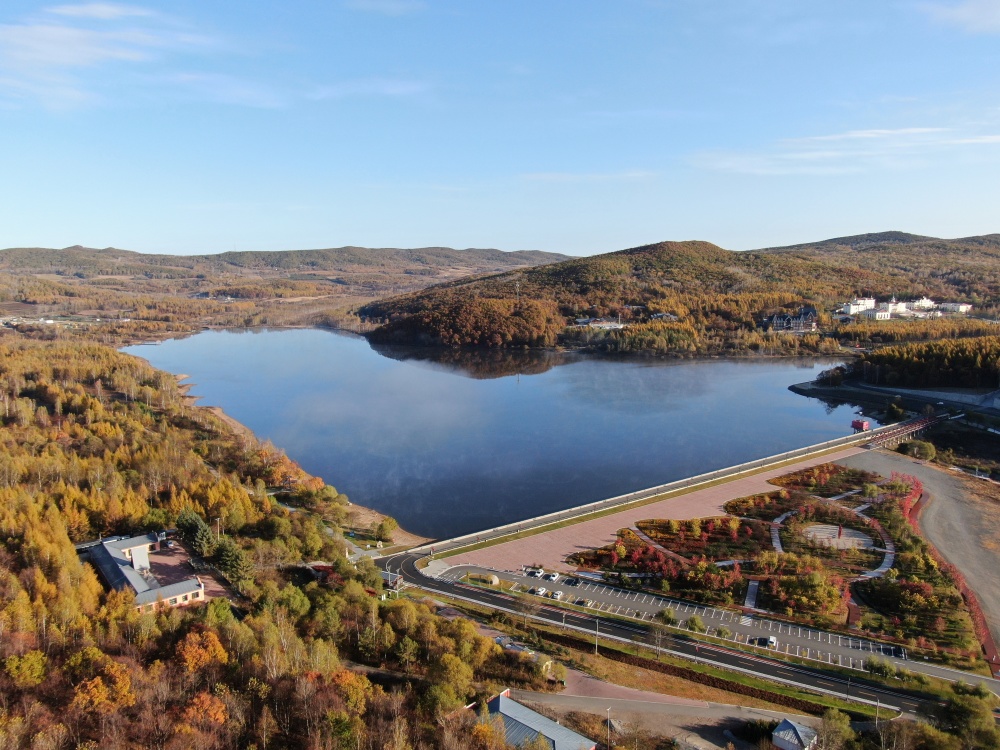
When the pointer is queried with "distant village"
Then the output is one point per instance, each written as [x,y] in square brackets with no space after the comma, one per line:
[807,318]
[866,308]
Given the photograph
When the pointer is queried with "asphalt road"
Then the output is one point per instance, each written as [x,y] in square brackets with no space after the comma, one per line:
[681,645]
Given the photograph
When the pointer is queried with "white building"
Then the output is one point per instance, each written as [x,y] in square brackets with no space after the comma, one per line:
[959,307]
[858,305]
[876,314]
[892,306]
[924,303]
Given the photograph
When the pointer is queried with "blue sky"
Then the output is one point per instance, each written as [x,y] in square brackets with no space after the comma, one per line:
[574,126]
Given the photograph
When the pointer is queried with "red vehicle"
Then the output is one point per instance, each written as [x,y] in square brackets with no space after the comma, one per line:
[861,425]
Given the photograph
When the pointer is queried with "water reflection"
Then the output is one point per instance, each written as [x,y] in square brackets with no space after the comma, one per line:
[450,442]
[482,364]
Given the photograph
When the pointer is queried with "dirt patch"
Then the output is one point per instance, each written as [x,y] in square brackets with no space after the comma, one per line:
[362,519]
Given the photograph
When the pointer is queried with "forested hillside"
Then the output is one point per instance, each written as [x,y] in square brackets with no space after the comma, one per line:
[961,363]
[95,442]
[713,299]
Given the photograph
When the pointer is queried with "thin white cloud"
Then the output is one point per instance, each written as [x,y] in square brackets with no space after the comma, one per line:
[54,58]
[851,152]
[369,87]
[973,16]
[855,135]
[226,89]
[101,11]
[53,46]
[386,7]
[626,176]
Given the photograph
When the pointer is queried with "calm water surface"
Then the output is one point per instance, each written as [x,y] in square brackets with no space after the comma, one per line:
[447,448]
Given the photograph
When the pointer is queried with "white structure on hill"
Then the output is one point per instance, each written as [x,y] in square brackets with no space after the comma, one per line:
[959,307]
[858,305]
[875,314]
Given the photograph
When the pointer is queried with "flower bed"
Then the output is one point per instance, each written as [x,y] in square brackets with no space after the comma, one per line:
[826,480]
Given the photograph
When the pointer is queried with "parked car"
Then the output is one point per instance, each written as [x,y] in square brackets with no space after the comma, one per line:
[557,595]
[535,572]
[541,591]
[552,577]
[572,581]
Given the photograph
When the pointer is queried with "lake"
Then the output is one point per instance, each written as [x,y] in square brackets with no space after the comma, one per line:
[449,443]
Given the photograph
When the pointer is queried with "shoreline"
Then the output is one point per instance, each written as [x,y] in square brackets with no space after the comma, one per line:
[362,517]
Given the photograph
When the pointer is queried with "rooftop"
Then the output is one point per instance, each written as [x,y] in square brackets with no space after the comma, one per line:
[522,725]
[123,562]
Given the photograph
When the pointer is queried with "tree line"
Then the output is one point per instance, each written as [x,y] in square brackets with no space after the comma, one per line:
[96,442]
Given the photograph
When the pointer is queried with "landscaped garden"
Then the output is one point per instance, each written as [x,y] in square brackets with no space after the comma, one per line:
[920,599]
[827,480]
[725,538]
[826,545]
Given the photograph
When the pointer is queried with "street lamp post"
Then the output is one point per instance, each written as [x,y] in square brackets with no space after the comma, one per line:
[597,632]
[609,728]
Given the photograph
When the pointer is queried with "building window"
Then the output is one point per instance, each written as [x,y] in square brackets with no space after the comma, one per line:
[173,601]
[184,598]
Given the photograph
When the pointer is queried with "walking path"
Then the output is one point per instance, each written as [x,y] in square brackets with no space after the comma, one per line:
[776,530]
[751,601]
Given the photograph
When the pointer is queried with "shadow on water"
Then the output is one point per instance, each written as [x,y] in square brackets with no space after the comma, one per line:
[479,364]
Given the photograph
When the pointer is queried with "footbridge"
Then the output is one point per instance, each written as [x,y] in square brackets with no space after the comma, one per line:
[891,435]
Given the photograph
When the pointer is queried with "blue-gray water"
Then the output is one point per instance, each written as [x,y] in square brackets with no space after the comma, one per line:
[447,452]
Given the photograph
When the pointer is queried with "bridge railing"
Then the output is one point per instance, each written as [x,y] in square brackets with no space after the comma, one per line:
[729,472]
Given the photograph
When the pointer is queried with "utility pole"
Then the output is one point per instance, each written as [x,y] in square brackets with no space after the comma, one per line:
[609,728]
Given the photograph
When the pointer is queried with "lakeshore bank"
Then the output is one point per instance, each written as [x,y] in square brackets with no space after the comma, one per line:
[359,517]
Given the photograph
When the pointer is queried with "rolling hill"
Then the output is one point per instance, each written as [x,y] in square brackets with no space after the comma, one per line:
[388,268]
[713,298]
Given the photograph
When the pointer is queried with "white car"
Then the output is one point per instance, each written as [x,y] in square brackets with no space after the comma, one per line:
[535,573]
[540,591]
[552,577]
[557,595]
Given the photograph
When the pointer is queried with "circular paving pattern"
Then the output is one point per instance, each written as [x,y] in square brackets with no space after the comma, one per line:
[837,537]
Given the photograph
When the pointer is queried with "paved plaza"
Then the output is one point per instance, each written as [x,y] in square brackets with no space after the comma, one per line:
[837,537]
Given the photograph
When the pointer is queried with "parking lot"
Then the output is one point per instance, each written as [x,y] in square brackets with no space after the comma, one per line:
[745,629]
